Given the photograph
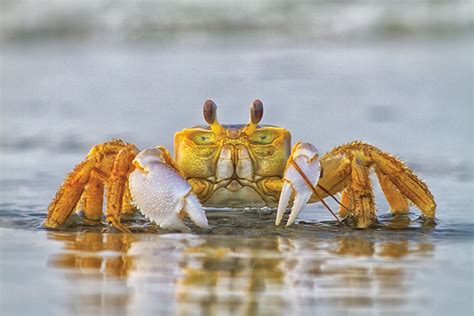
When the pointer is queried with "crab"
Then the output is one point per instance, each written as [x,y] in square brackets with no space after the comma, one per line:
[234,166]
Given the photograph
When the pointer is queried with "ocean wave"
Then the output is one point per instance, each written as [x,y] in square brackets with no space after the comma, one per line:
[122,21]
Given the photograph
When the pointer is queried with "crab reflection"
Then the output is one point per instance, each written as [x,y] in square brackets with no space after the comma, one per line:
[94,254]
[196,274]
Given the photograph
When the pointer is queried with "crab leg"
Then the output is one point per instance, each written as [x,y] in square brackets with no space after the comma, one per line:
[86,180]
[118,179]
[397,201]
[334,178]
[408,184]
[398,182]
[364,206]
[346,169]
[94,197]
[127,201]
[69,194]
[347,203]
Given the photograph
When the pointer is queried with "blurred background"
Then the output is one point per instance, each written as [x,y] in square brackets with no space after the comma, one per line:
[397,74]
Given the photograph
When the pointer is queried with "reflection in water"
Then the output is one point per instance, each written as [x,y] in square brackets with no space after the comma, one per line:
[96,264]
[205,274]
[87,253]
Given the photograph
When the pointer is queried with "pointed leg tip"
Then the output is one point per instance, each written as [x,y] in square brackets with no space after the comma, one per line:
[50,224]
[115,222]
[126,231]
[123,229]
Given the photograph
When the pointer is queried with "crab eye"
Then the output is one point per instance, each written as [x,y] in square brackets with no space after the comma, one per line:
[262,138]
[203,138]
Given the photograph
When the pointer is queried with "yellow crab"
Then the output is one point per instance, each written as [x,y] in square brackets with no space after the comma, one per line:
[233,166]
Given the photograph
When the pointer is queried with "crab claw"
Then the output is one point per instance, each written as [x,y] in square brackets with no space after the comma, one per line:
[305,156]
[162,194]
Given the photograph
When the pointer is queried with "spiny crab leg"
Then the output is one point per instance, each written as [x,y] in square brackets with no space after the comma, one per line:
[161,193]
[301,176]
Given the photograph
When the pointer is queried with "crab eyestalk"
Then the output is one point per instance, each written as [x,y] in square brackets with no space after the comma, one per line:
[256,114]
[210,115]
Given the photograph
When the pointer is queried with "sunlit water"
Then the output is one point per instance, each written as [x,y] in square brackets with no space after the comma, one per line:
[409,96]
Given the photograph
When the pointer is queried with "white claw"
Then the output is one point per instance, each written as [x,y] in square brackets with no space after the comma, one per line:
[300,201]
[285,196]
[305,156]
[194,210]
[162,194]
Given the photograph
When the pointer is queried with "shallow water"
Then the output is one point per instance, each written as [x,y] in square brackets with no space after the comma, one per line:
[410,96]
[243,266]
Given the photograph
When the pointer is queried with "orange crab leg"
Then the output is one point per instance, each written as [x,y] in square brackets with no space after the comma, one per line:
[87,181]
[69,194]
[127,206]
[342,205]
[117,185]
[93,197]
[334,177]
[346,168]
[346,202]
[398,203]
[405,181]
[364,206]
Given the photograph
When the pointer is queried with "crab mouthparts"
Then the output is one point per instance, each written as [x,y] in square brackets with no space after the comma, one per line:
[234,186]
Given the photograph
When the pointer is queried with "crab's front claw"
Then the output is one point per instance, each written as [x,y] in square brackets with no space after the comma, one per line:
[302,170]
[161,193]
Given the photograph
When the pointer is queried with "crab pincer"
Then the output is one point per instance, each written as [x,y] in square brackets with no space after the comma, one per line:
[302,171]
[161,193]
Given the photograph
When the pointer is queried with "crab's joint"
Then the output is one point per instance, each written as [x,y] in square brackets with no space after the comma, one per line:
[103,176]
[306,150]
[139,167]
